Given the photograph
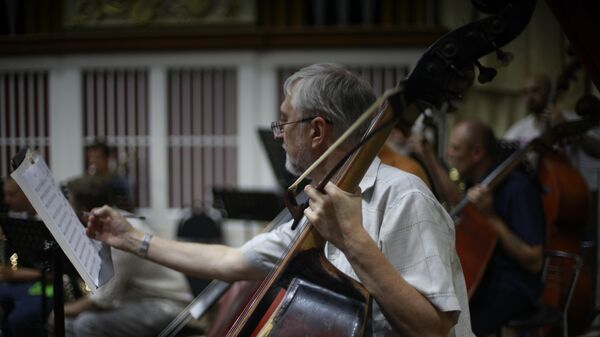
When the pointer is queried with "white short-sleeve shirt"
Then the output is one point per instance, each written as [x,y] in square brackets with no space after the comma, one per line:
[413,231]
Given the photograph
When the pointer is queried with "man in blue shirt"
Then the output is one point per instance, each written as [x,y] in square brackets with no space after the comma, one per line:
[511,283]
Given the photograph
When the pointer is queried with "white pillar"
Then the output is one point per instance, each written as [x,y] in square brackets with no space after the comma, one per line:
[65,104]
[159,215]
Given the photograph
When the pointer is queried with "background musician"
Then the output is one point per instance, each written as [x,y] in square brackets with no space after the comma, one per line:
[20,284]
[511,285]
[536,92]
[543,113]
[140,299]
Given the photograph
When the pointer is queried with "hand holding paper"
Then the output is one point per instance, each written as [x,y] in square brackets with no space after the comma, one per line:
[109,226]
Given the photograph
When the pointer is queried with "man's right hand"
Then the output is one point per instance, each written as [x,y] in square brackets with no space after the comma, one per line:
[109,226]
[553,115]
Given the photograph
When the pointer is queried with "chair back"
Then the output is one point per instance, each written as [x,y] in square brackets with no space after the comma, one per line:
[560,273]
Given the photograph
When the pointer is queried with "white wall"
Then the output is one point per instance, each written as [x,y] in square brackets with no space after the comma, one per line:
[257,105]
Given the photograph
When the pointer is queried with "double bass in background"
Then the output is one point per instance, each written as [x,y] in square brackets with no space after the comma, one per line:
[309,295]
[569,226]
[566,196]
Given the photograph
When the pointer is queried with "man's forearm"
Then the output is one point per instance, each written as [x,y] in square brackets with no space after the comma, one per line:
[201,260]
[529,257]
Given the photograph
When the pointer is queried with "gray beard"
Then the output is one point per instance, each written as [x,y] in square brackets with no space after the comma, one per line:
[294,168]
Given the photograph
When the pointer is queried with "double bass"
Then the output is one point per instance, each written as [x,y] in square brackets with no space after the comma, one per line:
[307,296]
[567,203]
[578,19]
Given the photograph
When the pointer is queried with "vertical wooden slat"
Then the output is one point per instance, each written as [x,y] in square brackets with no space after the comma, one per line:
[170,177]
[179,131]
[122,143]
[143,105]
[12,121]
[197,94]
[46,120]
[134,172]
[231,126]
[214,150]
[88,109]
[137,103]
[176,173]
[85,122]
[23,117]
[89,103]
[186,162]
[25,99]
[3,127]
[116,110]
[31,107]
[144,117]
[207,168]
[131,103]
[219,89]
[144,177]
[122,110]
[169,126]
[132,117]
[110,85]
[98,104]
[192,161]
[20,115]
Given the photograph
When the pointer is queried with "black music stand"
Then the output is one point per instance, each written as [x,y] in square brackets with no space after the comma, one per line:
[248,204]
[34,244]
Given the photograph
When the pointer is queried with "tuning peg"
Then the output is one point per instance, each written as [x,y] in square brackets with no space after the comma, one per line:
[486,74]
[504,57]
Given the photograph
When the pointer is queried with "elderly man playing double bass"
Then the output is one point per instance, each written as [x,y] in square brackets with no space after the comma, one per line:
[393,236]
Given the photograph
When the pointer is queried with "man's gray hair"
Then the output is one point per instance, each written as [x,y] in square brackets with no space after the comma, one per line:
[332,92]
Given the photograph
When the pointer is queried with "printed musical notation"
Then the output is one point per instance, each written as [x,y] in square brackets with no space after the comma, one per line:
[90,258]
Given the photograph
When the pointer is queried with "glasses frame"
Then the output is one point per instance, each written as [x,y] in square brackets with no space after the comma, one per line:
[277,126]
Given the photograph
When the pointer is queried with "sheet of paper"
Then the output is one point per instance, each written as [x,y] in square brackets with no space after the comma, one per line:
[91,260]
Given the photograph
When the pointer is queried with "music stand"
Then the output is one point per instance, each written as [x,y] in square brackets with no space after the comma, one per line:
[34,244]
[248,204]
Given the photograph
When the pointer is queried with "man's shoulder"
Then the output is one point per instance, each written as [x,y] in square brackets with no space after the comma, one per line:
[519,183]
[402,182]
[522,127]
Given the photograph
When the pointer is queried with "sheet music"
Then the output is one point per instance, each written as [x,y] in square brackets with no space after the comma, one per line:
[90,258]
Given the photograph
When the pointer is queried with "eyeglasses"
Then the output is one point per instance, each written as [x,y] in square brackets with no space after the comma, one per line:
[277,126]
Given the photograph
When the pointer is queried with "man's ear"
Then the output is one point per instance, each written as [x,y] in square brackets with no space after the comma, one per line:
[478,153]
[319,132]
